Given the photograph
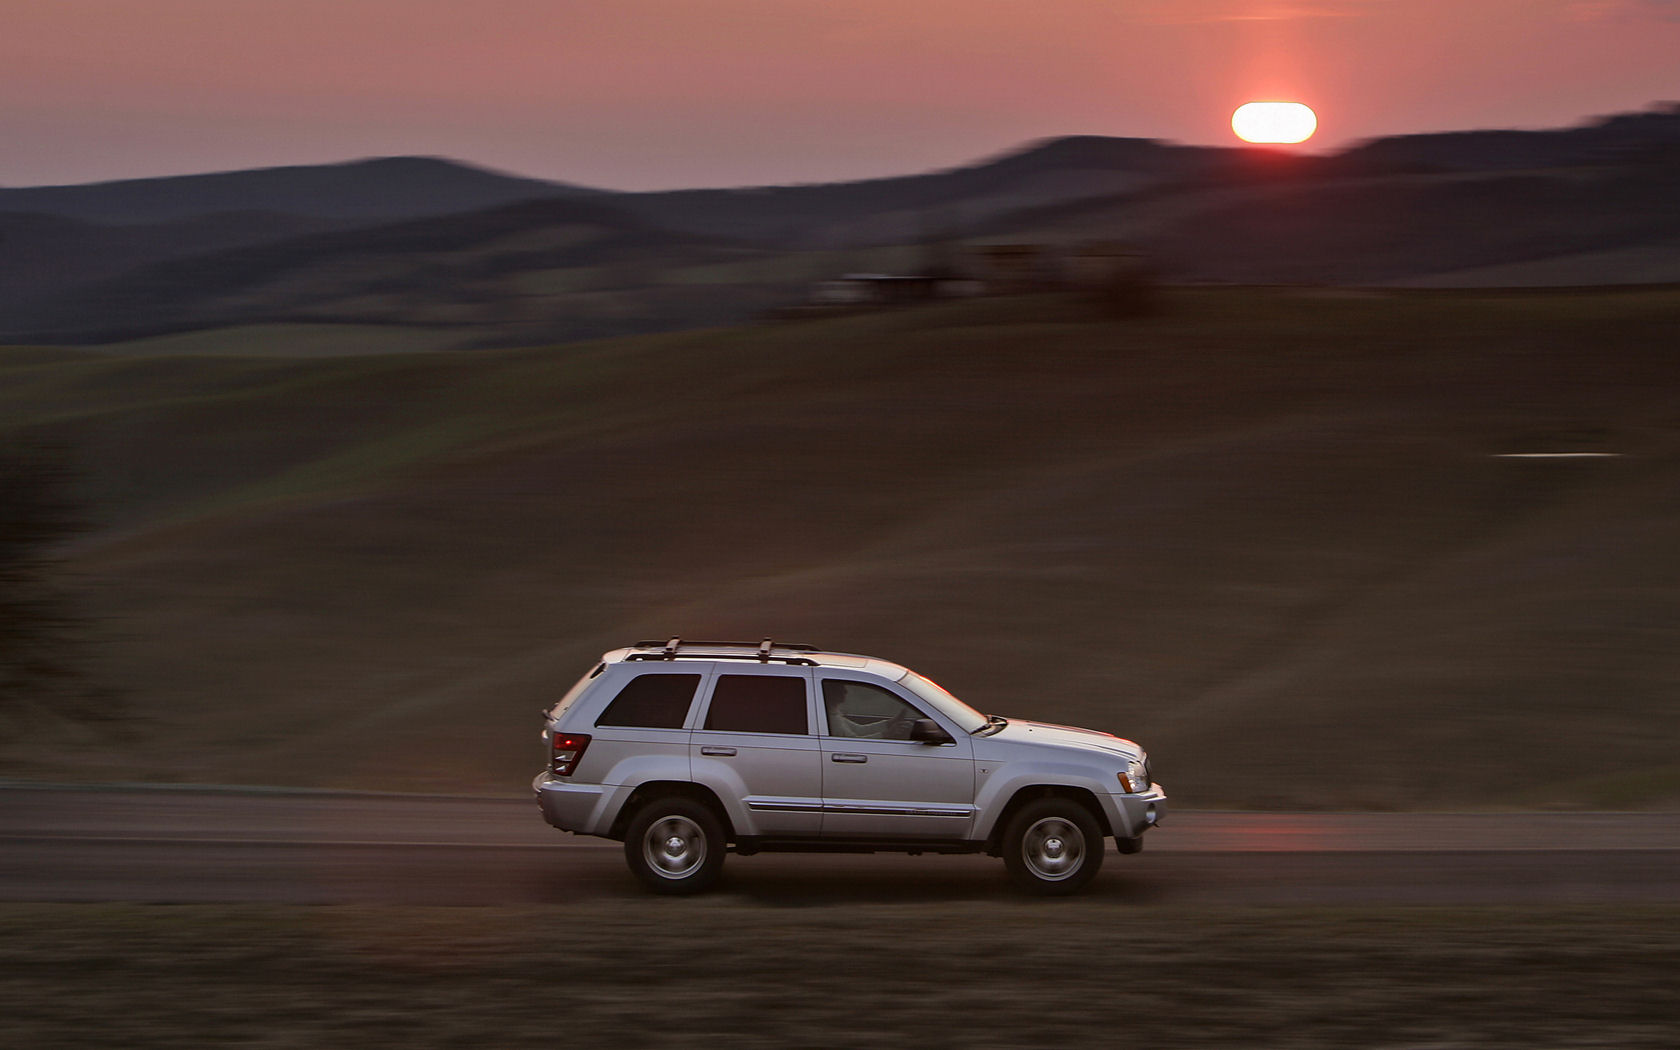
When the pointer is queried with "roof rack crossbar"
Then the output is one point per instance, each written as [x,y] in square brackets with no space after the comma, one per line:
[795,661]
[674,643]
[764,651]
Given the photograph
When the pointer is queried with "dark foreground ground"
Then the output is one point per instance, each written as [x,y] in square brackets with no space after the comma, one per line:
[1230,930]
[728,971]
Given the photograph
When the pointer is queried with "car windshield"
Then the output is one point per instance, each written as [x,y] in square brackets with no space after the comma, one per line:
[949,706]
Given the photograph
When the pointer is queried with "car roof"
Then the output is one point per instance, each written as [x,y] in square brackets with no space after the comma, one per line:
[767,651]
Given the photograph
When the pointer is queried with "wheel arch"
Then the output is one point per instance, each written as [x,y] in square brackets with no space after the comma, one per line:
[669,788]
[1083,796]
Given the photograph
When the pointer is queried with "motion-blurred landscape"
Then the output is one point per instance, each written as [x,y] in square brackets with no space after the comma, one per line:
[1342,473]
[1288,532]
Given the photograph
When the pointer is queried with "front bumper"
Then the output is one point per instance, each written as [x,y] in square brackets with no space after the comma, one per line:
[1132,815]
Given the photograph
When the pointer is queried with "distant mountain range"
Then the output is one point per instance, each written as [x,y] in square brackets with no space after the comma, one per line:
[431,244]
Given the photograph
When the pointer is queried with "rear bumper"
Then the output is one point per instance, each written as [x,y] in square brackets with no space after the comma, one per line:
[568,806]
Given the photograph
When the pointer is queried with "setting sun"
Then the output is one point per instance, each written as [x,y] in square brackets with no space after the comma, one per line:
[1274,122]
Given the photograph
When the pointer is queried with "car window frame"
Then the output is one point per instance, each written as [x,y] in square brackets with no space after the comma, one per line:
[617,684]
[702,710]
[864,678]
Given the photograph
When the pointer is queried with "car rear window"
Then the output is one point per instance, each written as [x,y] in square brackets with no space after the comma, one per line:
[758,703]
[652,701]
[565,702]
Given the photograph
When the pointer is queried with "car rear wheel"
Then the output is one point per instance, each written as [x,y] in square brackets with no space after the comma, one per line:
[1053,846]
[675,845]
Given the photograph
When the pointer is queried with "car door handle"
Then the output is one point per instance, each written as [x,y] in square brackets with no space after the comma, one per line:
[843,757]
[717,751]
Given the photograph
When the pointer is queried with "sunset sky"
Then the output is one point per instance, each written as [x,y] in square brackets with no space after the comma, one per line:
[642,94]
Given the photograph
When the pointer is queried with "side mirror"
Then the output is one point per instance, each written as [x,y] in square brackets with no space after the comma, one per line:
[927,731]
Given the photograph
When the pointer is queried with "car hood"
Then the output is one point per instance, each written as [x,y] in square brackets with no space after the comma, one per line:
[1020,731]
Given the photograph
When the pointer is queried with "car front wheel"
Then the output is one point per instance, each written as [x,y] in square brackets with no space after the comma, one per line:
[675,845]
[1053,846]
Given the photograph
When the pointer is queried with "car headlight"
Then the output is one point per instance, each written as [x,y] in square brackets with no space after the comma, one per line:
[1135,777]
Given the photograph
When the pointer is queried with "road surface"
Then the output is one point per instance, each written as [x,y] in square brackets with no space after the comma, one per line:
[203,845]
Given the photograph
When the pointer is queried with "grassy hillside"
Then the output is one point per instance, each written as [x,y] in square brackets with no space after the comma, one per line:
[469,272]
[1267,534]
[40,254]
[1306,224]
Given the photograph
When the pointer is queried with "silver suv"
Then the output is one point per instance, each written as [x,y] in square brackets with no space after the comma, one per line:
[684,750]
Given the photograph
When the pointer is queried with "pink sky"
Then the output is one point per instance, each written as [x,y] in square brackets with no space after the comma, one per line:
[642,94]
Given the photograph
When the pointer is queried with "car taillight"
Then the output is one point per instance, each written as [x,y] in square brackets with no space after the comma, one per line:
[568,751]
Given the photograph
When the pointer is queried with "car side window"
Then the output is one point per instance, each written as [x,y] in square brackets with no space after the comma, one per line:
[652,701]
[862,711]
[758,703]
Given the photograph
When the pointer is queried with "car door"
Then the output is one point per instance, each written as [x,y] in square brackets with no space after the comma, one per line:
[754,740]
[877,782]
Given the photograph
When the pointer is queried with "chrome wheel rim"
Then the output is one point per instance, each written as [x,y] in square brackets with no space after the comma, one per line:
[674,847]
[1053,849]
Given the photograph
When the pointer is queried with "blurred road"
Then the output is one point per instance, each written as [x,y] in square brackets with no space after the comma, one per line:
[202,845]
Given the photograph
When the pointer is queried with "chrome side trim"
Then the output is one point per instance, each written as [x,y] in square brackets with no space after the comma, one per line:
[783,805]
[779,805]
[897,811]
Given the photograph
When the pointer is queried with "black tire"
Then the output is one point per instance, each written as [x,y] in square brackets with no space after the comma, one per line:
[675,845]
[1053,847]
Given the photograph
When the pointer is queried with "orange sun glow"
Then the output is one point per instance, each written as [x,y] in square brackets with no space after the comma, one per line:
[1274,122]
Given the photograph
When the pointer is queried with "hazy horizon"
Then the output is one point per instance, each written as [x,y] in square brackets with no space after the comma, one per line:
[980,159]
[659,94]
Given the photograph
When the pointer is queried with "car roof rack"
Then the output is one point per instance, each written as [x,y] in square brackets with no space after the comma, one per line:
[763,652]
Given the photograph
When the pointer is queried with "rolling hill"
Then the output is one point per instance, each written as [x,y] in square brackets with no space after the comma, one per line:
[1612,139]
[42,254]
[911,208]
[464,271]
[1269,534]
[376,190]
